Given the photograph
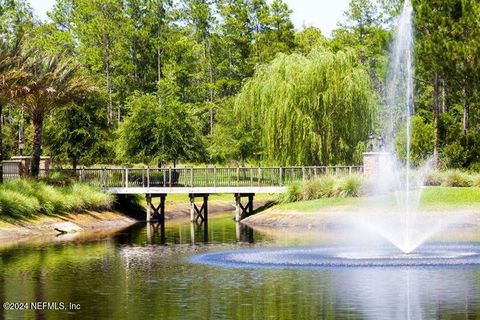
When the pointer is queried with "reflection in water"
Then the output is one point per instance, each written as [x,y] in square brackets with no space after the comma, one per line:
[199,232]
[408,293]
[139,273]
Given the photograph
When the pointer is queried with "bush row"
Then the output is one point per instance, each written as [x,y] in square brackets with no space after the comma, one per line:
[26,198]
[353,186]
[324,187]
[453,178]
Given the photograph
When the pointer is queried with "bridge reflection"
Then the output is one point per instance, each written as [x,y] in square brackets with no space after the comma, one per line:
[198,233]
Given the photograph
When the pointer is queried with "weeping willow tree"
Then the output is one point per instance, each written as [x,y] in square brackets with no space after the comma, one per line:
[313,109]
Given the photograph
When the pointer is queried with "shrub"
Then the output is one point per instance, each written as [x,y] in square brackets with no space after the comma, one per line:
[324,187]
[327,187]
[456,178]
[311,189]
[24,198]
[434,179]
[59,178]
[453,155]
[351,186]
[475,180]
[17,205]
[92,197]
[293,194]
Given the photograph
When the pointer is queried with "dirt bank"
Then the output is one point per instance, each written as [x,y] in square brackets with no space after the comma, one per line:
[90,224]
[328,218]
[51,227]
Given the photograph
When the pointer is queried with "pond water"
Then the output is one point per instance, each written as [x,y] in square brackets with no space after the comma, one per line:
[138,274]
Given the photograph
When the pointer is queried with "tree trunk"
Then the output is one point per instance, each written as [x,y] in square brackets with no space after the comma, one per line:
[74,164]
[444,97]
[466,111]
[161,14]
[109,90]
[37,145]
[436,112]
[1,144]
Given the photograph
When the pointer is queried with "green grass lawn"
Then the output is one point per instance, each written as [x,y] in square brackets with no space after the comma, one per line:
[432,198]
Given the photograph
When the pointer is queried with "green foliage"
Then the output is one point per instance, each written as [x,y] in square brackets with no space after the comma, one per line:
[78,133]
[298,109]
[293,194]
[453,155]
[421,147]
[453,178]
[309,109]
[351,186]
[309,39]
[26,198]
[456,178]
[156,132]
[324,187]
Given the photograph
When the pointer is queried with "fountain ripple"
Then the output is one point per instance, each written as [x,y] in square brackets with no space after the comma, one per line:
[434,255]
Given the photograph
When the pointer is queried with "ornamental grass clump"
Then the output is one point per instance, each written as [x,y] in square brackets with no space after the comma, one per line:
[27,198]
[351,186]
[17,205]
[475,180]
[434,179]
[456,178]
[92,197]
[293,193]
[324,187]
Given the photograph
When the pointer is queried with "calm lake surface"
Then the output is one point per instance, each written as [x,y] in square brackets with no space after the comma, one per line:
[138,274]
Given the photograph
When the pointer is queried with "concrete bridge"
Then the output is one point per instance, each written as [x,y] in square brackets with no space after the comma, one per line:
[198,183]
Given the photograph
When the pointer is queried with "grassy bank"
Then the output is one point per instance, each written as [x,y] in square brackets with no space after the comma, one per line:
[432,198]
[23,199]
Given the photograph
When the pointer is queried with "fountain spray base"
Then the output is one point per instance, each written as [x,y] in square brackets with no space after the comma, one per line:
[326,257]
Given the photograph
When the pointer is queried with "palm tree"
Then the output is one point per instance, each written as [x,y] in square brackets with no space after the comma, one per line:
[13,81]
[56,81]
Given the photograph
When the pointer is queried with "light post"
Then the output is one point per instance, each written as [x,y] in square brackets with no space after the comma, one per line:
[20,140]
[380,143]
[371,139]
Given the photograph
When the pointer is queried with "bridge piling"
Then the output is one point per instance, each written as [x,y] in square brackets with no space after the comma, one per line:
[242,211]
[198,213]
[156,212]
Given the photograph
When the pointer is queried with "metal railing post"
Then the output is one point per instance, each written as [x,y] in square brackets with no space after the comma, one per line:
[126,177]
[259,176]
[281,177]
[191,177]
[214,176]
[170,177]
[148,177]
[238,176]
[104,178]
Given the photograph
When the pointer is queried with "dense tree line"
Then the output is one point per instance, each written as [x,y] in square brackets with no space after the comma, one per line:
[223,81]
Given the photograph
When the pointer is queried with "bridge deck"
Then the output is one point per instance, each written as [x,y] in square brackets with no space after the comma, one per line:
[196,190]
[203,180]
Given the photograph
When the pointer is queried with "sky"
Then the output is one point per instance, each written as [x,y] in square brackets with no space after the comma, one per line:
[324,14]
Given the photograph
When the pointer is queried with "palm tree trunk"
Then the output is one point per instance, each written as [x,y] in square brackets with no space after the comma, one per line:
[37,145]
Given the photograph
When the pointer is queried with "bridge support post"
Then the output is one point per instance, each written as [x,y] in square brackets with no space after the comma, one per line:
[198,213]
[242,211]
[156,212]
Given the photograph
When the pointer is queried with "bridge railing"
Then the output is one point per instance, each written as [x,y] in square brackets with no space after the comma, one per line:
[205,177]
